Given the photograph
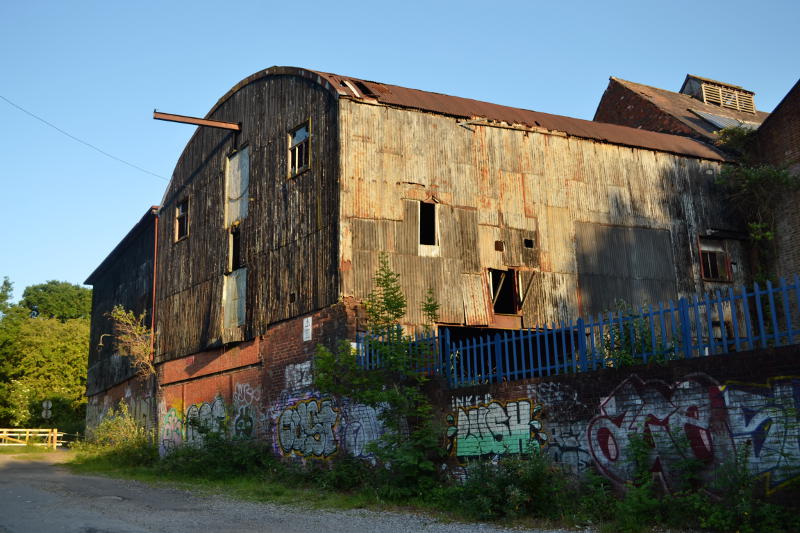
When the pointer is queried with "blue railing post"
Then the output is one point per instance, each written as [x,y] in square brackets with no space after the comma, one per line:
[444,354]
[686,327]
[498,355]
[581,344]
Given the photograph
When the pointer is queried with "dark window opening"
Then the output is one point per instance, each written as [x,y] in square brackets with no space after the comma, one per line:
[528,243]
[235,249]
[504,291]
[300,149]
[714,260]
[427,224]
[292,298]
[182,219]
[499,246]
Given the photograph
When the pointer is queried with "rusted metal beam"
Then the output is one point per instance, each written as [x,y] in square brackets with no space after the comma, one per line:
[197,121]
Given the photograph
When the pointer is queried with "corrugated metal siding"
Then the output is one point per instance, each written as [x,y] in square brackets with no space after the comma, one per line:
[497,184]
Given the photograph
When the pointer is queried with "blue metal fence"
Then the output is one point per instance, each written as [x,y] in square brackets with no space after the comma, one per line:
[723,322]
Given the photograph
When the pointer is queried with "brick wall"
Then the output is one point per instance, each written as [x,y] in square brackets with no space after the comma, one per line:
[779,144]
[706,409]
[241,389]
[137,395]
[620,105]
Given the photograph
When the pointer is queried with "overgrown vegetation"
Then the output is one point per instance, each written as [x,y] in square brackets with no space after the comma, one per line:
[625,341]
[525,488]
[132,338]
[755,189]
[410,447]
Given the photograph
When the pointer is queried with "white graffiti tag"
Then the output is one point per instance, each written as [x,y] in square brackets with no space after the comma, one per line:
[306,428]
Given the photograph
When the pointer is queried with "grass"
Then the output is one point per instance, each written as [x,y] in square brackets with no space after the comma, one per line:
[27,449]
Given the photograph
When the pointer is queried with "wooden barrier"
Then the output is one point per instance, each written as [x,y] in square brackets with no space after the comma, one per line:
[50,438]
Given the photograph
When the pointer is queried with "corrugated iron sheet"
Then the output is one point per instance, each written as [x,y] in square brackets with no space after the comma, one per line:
[473,109]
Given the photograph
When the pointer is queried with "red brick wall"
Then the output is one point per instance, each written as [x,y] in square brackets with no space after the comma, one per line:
[779,144]
[239,389]
[620,105]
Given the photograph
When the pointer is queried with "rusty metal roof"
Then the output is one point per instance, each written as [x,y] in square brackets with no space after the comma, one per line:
[684,108]
[466,108]
[455,106]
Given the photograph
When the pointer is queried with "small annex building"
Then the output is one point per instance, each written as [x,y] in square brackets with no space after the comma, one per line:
[267,239]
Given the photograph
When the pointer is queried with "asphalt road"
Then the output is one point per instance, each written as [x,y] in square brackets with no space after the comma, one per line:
[41,496]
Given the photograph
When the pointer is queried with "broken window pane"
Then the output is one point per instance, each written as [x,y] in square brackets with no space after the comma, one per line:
[427,224]
[504,291]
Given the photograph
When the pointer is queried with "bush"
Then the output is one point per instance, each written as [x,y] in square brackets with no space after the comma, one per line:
[119,439]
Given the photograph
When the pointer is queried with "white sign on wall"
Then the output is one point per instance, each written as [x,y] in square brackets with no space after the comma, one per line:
[307,329]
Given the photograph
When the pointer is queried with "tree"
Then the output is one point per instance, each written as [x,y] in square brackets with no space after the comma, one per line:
[411,445]
[6,290]
[58,299]
[44,358]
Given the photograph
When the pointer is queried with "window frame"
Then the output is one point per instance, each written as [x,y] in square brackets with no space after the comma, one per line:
[707,252]
[181,219]
[293,169]
[514,289]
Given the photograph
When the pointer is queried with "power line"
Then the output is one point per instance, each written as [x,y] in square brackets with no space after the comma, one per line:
[93,147]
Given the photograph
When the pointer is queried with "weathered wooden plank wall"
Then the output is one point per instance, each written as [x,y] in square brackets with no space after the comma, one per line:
[289,237]
[126,279]
[500,184]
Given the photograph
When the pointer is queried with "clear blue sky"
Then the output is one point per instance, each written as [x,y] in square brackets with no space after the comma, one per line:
[98,69]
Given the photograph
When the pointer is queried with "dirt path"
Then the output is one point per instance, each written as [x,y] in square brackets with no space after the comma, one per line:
[41,496]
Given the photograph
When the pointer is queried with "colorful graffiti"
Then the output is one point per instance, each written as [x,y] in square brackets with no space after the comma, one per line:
[678,423]
[766,419]
[205,418]
[306,428]
[495,428]
[171,432]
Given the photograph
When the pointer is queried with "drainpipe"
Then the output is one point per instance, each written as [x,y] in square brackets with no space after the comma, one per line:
[154,394]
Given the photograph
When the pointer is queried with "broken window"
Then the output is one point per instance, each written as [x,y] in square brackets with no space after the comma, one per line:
[300,148]
[234,249]
[503,285]
[715,263]
[427,224]
[182,219]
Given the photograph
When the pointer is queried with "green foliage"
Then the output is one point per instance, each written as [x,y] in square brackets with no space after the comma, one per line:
[133,339]
[6,290]
[754,189]
[512,488]
[121,439]
[410,449]
[58,299]
[624,343]
[42,359]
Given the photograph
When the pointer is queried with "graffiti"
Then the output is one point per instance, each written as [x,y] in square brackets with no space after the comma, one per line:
[360,425]
[566,445]
[495,428]
[246,401]
[764,418]
[171,434]
[561,399]
[298,376]
[205,418]
[470,400]
[679,423]
[307,428]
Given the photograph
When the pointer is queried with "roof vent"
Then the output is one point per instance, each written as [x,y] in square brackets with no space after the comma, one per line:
[719,94]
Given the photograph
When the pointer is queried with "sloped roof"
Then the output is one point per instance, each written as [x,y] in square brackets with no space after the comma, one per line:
[683,107]
[466,108]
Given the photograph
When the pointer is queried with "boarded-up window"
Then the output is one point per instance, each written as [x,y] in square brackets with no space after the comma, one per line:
[615,264]
[427,224]
[237,180]
[233,295]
